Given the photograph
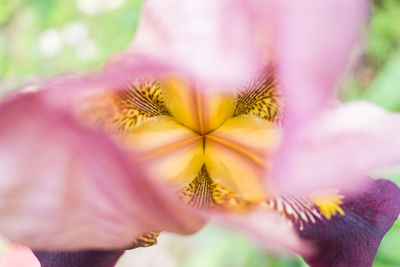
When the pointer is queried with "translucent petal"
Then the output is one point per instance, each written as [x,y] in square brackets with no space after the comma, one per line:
[341,145]
[17,255]
[308,34]
[216,41]
[64,186]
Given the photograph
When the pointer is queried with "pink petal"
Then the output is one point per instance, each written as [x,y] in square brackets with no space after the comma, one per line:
[18,256]
[216,41]
[63,186]
[339,147]
[313,42]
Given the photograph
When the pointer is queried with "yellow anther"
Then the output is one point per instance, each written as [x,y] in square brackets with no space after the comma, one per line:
[328,202]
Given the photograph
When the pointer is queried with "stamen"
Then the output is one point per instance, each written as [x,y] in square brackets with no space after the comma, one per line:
[146,240]
[328,203]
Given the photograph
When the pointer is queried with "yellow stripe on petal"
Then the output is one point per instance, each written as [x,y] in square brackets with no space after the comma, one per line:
[235,155]
[204,193]
[199,110]
[173,153]
[140,100]
[121,110]
[261,98]
[198,193]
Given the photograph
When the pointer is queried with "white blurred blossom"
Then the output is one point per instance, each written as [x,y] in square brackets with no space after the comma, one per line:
[96,7]
[75,33]
[87,49]
[154,256]
[50,43]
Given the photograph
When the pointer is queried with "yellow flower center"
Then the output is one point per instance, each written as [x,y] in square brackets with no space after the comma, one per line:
[211,146]
[201,130]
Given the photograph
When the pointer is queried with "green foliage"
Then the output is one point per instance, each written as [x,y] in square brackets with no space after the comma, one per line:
[23,24]
[385,89]
[384,31]
[217,247]
[388,251]
[378,80]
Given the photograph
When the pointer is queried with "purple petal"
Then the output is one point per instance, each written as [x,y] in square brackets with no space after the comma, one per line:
[87,258]
[353,239]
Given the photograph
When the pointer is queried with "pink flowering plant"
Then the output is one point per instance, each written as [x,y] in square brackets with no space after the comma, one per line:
[219,110]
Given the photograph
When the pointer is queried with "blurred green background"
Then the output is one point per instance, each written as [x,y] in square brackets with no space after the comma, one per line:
[41,38]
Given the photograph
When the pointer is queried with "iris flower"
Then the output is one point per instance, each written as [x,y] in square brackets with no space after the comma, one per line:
[221,117]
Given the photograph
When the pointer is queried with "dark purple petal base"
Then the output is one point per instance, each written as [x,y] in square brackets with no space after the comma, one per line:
[86,258]
[353,239]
